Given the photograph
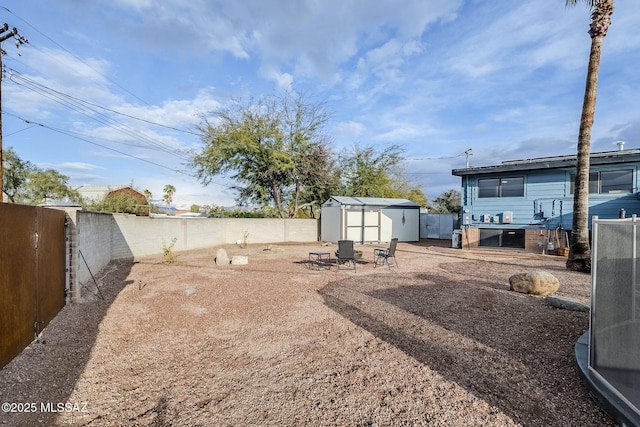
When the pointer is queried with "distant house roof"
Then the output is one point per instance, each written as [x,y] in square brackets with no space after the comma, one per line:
[371,201]
[602,158]
[95,193]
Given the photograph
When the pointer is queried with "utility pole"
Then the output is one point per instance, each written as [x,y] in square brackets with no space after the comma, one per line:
[5,34]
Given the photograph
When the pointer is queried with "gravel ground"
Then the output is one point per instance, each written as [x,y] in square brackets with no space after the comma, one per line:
[439,341]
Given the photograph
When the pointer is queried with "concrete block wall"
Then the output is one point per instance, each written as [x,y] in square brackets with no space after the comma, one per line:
[93,247]
[100,238]
[134,236]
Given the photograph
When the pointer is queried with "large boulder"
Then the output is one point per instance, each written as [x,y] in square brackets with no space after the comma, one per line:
[221,257]
[535,283]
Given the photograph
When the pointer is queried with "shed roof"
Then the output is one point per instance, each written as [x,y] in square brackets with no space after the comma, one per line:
[372,201]
[602,158]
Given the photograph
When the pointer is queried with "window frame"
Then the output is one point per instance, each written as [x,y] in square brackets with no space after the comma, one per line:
[499,189]
[596,181]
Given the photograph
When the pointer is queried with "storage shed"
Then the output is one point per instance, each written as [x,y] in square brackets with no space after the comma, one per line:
[369,220]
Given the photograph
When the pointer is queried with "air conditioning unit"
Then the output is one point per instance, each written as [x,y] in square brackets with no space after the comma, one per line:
[495,219]
[507,217]
[485,218]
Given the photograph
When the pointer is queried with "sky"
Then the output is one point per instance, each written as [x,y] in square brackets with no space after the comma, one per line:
[112,92]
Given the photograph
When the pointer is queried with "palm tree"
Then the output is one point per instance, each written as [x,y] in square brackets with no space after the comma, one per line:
[169,191]
[580,251]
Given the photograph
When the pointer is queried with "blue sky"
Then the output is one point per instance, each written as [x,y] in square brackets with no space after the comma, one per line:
[111,92]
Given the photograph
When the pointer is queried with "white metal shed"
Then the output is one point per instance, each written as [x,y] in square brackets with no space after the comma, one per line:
[369,219]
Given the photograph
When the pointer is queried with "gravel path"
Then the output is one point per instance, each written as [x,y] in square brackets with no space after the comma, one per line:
[439,341]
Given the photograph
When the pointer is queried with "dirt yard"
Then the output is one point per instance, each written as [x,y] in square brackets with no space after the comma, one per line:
[439,341]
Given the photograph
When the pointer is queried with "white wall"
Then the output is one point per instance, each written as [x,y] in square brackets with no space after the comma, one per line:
[105,237]
[92,249]
[331,223]
[407,230]
[141,236]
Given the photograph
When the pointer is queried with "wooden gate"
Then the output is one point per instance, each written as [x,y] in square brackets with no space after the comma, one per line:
[32,274]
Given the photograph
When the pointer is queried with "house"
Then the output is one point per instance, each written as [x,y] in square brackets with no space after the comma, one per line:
[528,204]
[369,219]
[98,194]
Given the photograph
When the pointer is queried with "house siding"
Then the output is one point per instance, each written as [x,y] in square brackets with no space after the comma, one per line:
[547,203]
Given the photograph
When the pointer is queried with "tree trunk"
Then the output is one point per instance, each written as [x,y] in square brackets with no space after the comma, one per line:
[277,200]
[580,250]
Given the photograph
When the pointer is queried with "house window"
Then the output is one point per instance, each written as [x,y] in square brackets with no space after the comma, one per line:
[501,187]
[608,182]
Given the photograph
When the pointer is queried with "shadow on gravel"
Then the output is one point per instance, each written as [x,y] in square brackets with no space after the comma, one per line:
[60,357]
[510,350]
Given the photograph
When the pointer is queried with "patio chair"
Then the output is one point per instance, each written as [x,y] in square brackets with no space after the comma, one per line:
[345,255]
[382,256]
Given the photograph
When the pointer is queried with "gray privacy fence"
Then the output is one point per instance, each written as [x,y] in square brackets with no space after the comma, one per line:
[100,238]
[438,226]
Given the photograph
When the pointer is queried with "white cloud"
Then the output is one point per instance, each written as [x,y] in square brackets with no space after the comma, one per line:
[314,38]
[350,130]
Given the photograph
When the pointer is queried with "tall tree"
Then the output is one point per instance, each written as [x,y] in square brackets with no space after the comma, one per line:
[169,190]
[24,182]
[49,184]
[580,251]
[366,171]
[274,146]
[449,202]
[16,176]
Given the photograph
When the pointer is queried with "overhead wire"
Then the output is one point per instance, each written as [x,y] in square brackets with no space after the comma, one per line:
[67,133]
[85,139]
[95,111]
[74,55]
[89,111]
[464,153]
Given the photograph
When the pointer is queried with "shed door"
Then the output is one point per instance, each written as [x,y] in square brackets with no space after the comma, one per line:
[353,222]
[362,225]
[371,225]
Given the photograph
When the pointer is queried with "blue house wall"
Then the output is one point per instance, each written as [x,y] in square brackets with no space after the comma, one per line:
[547,203]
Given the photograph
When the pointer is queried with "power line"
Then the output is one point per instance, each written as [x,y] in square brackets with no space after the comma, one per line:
[92,104]
[81,138]
[75,56]
[89,111]
[85,107]
[18,131]
[464,153]
[64,132]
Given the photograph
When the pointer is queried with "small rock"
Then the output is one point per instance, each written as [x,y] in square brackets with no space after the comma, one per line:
[566,303]
[189,291]
[221,257]
[535,283]
[239,260]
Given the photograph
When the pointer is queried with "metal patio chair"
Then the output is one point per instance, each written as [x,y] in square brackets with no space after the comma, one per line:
[345,254]
[382,256]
